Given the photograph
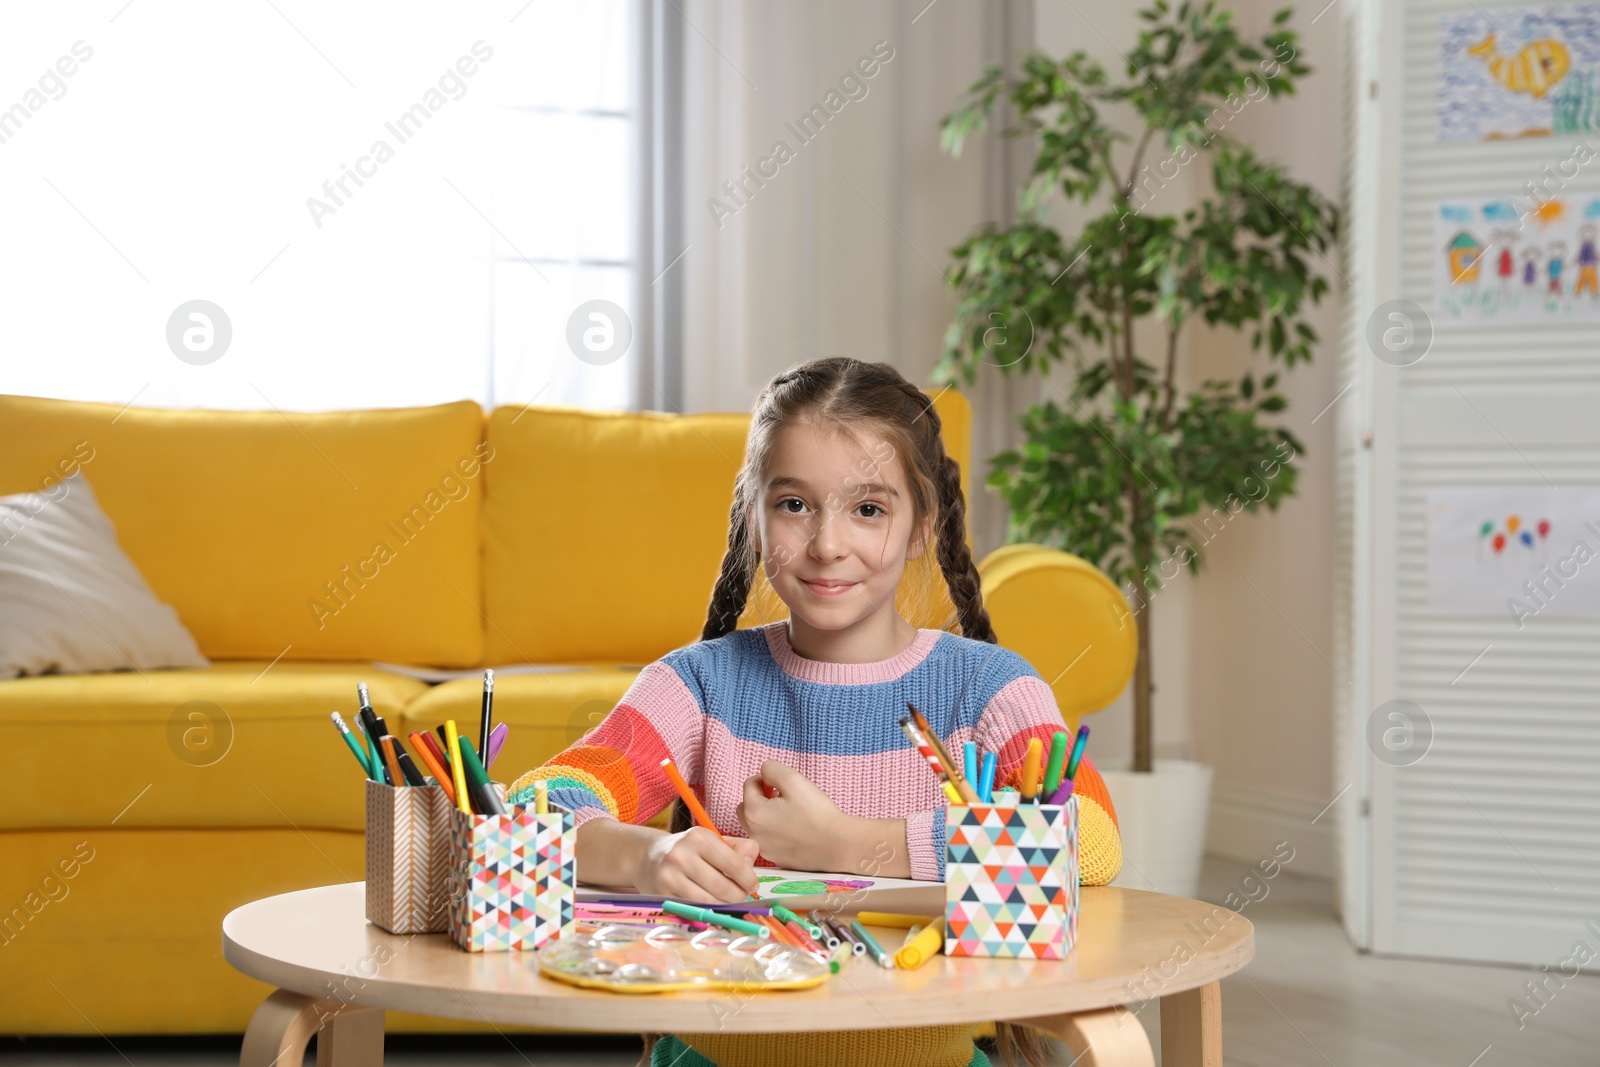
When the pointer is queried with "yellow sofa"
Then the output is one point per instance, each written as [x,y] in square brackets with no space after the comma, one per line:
[138,808]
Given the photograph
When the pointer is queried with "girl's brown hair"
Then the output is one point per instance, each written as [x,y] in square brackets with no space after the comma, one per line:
[852,396]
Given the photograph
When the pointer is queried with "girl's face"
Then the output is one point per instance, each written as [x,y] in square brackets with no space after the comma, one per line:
[835,525]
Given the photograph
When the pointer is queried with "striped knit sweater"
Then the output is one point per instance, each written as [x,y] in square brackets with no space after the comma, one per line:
[721,708]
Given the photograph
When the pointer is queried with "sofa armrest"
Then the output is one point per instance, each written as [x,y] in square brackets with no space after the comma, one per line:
[1064,616]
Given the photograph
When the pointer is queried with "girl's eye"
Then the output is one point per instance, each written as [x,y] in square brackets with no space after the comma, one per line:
[783,504]
[875,509]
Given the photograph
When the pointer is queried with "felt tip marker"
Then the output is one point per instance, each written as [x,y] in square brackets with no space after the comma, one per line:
[727,922]
[1077,751]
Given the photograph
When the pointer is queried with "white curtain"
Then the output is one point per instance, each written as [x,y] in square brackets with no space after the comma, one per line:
[822,116]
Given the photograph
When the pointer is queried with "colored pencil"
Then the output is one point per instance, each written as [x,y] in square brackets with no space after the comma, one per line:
[968,794]
[355,746]
[458,773]
[441,774]
[921,745]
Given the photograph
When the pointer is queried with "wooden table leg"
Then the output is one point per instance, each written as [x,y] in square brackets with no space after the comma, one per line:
[1191,1027]
[353,1037]
[347,1036]
[1111,1037]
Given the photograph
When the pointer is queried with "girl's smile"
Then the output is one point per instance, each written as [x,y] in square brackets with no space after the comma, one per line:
[829,587]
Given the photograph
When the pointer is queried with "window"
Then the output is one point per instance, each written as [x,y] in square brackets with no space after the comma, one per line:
[379,205]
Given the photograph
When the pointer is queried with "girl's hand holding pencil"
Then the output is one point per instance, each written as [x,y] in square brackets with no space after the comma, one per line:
[699,864]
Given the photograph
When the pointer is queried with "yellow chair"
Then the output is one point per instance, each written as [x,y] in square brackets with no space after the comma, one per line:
[300,548]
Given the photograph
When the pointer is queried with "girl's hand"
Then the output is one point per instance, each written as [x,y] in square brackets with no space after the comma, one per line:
[800,828]
[696,865]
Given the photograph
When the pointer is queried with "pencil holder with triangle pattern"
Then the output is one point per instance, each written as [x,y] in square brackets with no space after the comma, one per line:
[1011,880]
[513,878]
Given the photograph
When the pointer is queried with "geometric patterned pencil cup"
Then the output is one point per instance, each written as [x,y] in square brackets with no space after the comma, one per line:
[408,858]
[1011,880]
[513,878]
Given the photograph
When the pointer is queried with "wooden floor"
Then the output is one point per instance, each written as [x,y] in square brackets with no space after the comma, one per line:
[1307,1000]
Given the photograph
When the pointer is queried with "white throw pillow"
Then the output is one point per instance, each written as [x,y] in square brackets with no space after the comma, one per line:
[70,599]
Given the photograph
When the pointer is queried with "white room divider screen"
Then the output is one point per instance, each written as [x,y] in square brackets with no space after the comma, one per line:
[1471,828]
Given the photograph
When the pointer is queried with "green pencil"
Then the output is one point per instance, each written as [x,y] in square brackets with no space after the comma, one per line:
[355,746]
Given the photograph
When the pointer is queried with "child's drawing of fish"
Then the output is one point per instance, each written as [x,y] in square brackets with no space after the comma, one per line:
[1534,69]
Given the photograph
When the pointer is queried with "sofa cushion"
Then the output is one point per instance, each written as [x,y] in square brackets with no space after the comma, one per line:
[545,712]
[326,536]
[238,744]
[604,531]
[73,600]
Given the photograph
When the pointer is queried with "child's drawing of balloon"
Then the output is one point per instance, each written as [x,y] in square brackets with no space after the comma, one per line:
[1527,538]
[1512,523]
[1544,528]
[1485,529]
[1499,542]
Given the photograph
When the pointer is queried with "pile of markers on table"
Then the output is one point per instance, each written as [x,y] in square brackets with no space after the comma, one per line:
[830,939]
[451,759]
[1059,771]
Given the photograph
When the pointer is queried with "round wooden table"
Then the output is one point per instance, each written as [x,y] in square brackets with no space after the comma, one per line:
[337,974]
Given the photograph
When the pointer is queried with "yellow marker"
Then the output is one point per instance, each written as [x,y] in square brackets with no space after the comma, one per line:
[541,799]
[952,795]
[1030,768]
[458,774]
[922,948]
[893,918]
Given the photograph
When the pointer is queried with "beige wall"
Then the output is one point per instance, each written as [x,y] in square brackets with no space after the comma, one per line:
[842,254]
[1241,679]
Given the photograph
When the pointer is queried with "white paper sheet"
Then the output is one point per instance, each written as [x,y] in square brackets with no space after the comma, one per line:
[1521,552]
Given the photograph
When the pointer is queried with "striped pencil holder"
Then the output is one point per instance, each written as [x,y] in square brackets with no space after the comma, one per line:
[408,858]
[1011,880]
[513,878]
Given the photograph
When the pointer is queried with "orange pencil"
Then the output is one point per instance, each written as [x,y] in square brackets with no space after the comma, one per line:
[440,775]
[689,798]
[386,745]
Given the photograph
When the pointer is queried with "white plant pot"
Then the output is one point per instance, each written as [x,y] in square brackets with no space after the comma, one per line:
[1162,816]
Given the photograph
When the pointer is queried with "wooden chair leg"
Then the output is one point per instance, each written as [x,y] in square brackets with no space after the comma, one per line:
[1191,1028]
[347,1036]
[1111,1037]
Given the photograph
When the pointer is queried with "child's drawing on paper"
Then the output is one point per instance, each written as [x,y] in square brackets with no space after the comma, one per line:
[1510,536]
[1517,552]
[1520,259]
[1522,72]
[774,885]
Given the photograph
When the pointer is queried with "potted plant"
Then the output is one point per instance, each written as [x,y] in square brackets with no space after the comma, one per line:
[1130,471]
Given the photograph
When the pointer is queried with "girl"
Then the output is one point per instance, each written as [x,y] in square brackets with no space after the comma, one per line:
[790,731]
